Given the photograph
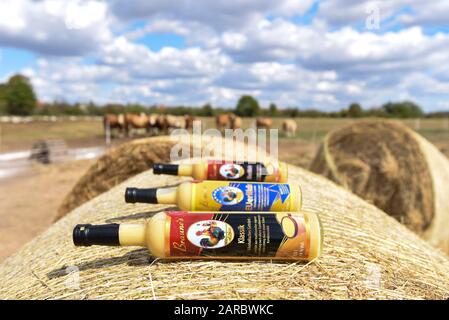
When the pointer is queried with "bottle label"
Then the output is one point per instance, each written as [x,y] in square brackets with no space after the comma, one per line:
[235,196]
[282,235]
[244,171]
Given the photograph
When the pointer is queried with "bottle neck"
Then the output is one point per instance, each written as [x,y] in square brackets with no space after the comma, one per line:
[185,170]
[113,234]
[132,234]
[166,196]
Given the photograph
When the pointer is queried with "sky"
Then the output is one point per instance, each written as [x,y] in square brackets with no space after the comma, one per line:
[296,53]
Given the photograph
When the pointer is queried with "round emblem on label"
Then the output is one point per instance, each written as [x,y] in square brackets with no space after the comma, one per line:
[228,195]
[231,171]
[210,234]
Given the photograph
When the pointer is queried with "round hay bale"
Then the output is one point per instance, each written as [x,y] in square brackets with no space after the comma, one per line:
[396,169]
[116,166]
[137,156]
[367,254]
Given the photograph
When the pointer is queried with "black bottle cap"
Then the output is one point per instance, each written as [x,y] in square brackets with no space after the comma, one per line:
[105,234]
[133,195]
[160,168]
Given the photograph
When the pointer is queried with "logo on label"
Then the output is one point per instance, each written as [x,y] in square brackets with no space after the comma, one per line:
[210,234]
[228,195]
[231,171]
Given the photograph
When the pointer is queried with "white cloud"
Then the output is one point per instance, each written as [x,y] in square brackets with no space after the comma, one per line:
[10,17]
[160,26]
[77,14]
[318,48]
[410,12]
[231,48]
[219,14]
[293,7]
[234,41]
[169,62]
[54,27]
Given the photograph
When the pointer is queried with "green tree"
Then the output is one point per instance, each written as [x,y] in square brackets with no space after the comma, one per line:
[20,97]
[292,112]
[355,110]
[405,109]
[114,108]
[273,110]
[2,99]
[207,110]
[135,108]
[247,107]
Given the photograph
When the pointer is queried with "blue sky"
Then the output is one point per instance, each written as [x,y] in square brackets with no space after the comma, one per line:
[308,54]
[157,41]
[14,59]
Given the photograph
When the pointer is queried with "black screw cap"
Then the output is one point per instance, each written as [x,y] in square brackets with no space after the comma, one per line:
[87,235]
[133,195]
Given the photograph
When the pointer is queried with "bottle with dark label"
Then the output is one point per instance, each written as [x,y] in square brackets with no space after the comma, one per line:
[227,170]
[222,196]
[215,235]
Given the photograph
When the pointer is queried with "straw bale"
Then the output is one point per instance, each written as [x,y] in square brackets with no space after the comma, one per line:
[396,169]
[367,255]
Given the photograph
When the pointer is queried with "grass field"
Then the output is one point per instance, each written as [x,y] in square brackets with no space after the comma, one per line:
[88,133]
[21,136]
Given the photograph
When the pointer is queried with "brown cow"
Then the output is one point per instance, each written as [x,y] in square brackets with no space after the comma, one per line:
[152,123]
[175,122]
[115,121]
[160,123]
[222,121]
[290,127]
[165,122]
[189,119]
[228,120]
[137,121]
[265,123]
[236,122]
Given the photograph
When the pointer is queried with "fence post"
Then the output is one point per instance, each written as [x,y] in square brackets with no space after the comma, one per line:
[107,134]
[418,124]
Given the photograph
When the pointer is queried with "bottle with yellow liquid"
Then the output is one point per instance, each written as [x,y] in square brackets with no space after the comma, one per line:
[227,170]
[222,196]
[217,235]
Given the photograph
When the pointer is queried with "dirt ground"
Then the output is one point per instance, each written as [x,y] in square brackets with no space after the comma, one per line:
[28,202]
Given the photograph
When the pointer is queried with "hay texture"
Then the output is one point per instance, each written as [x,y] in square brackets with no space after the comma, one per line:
[367,255]
[132,158]
[114,167]
[396,169]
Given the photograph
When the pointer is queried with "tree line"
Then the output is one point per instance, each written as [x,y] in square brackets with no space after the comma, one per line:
[17,97]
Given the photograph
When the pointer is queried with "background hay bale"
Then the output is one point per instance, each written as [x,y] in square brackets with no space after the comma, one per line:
[132,158]
[116,166]
[393,167]
[367,254]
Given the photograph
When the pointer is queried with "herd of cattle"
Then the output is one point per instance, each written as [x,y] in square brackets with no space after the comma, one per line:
[124,124]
